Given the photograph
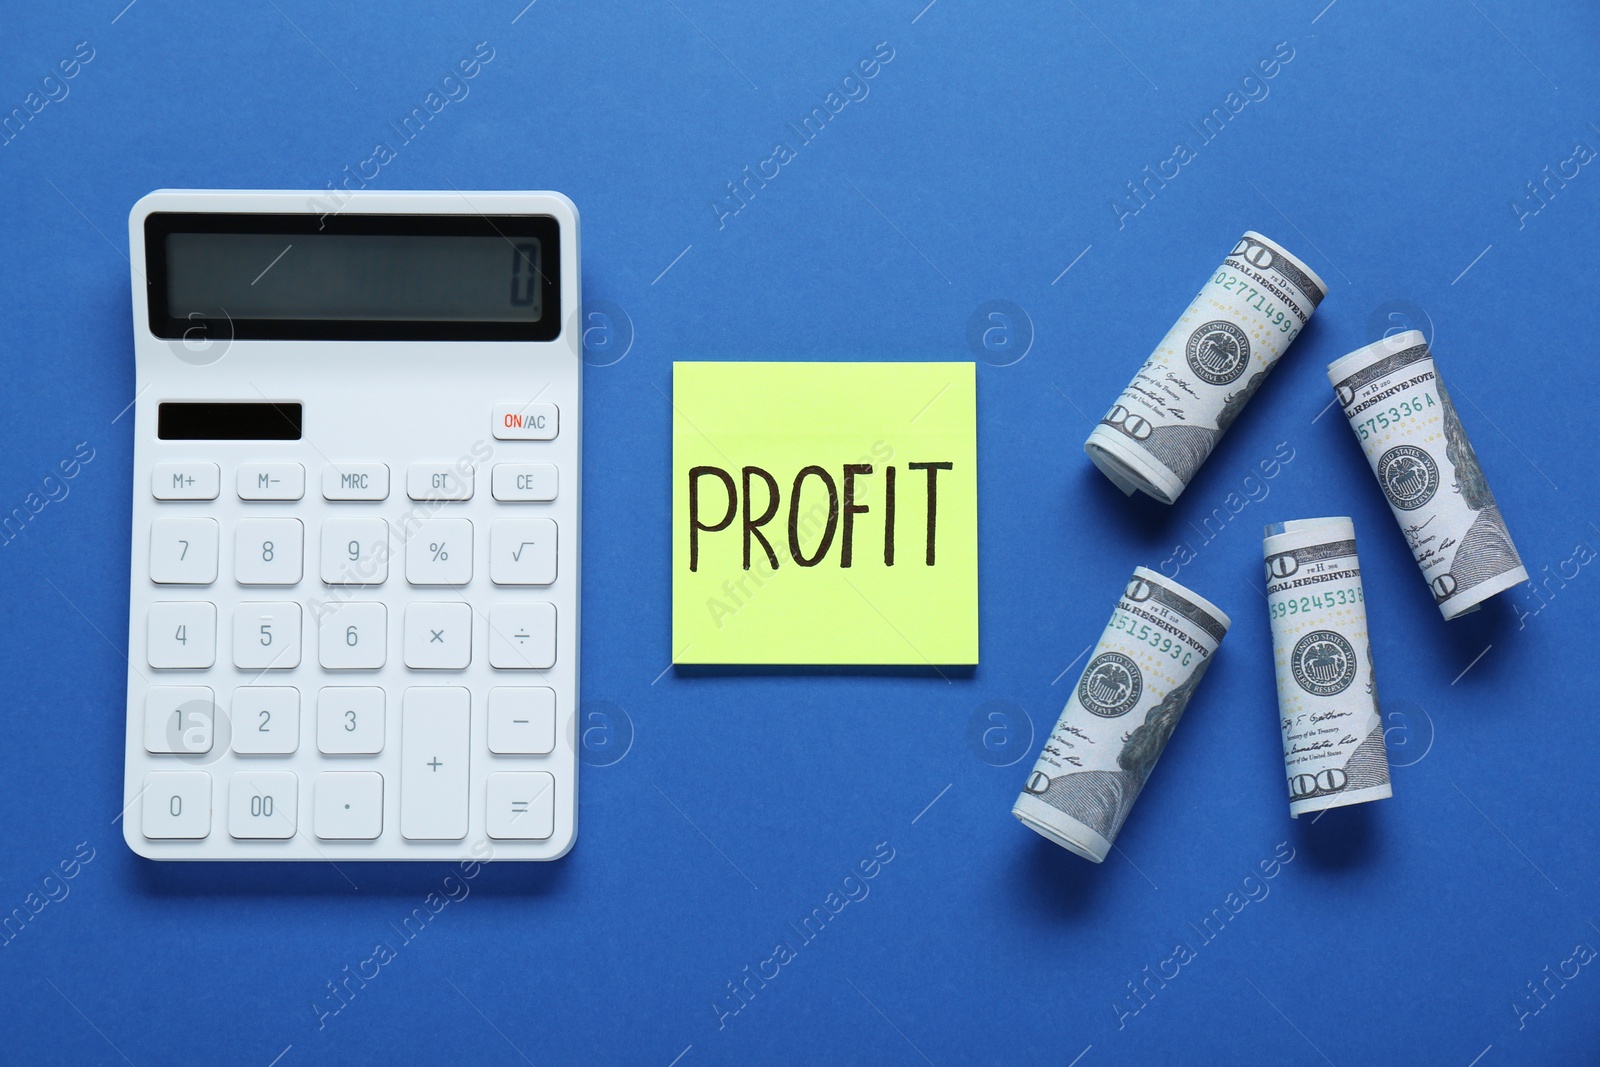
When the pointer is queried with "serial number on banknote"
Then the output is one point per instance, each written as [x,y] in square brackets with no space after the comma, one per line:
[1331,599]
[1257,299]
[1141,631]
[1394,414]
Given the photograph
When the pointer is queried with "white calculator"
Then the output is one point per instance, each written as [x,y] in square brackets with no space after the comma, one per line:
[353,613]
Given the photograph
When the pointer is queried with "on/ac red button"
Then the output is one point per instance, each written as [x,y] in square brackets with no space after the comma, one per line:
[524,422]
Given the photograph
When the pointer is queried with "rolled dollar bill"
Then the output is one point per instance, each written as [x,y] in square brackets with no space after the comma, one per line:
[1333,749]
[1187,394]
[1402,415]
[1133,690]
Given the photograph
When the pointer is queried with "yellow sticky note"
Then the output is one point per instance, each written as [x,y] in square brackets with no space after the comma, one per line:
[824,513]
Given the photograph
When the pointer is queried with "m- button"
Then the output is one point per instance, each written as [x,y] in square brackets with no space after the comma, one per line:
[355,481]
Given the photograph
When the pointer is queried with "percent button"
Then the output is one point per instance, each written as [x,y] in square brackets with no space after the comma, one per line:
[522,552]
[439,552]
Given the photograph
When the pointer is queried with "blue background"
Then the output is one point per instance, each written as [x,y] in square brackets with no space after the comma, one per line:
[718,807]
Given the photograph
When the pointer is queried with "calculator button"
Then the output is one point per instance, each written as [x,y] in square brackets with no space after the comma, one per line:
[439,481]
[349,806]
[522,552]
[266,720]
[269,551]
[522,721]
[439,552]
[524,422]
[355,552]
[435,724]
[271,481]
[185,481]
[266,636]
[524,481]
[181,635]
[263,804]
[522,806]
[350,720]
[353,637]
[355,481]
[522,636]
[176,804]
[179,718]
[183,551]
[438,636]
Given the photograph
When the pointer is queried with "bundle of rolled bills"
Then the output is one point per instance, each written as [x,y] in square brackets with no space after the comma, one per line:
[1187,394]
[1333,749]
[1133,690]
[1402,415]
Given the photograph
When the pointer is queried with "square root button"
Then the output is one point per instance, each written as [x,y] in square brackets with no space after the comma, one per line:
[522,806]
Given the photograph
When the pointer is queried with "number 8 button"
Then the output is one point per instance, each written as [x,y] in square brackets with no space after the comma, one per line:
[268,551]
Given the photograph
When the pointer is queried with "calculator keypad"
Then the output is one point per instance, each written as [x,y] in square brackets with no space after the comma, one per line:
[317,597]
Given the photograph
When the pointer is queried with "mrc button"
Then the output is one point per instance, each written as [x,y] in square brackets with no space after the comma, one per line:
[355,481]
[524,422]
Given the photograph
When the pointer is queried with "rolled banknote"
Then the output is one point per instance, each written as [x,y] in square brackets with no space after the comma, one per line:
[1153,652]
[1187,394]
[1402,415]
[1333,748]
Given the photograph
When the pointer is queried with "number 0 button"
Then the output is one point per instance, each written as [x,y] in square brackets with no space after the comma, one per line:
[177,804]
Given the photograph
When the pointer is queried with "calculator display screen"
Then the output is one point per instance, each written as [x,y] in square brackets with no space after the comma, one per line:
[377,277]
